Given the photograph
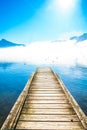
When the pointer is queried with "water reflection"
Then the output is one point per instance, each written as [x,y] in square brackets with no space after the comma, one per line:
[13,77]
[5,65]
[75,79]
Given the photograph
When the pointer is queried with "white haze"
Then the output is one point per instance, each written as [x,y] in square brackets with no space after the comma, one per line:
[67,53]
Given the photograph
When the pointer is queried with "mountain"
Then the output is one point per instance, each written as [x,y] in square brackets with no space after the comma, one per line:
[4,43]
[80,38]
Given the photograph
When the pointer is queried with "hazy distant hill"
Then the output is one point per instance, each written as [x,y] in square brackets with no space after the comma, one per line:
[4,43]
[79,38]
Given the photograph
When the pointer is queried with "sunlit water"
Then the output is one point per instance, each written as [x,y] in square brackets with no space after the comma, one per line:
[13,77]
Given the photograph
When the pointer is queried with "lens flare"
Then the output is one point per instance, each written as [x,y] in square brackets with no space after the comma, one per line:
[66,5]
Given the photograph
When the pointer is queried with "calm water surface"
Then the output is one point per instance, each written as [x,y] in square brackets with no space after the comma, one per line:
[13,77]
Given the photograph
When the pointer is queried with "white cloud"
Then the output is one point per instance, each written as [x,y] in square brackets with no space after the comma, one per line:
[59,53]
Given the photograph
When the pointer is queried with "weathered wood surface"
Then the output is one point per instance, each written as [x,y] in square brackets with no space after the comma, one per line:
[47,104]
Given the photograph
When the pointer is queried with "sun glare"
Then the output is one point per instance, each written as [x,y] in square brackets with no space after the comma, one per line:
[65,5]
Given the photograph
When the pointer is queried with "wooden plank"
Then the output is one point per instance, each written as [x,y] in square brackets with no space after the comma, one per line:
[47,101]
[46,85]
[46,69]
[46,92]
[66,118]
[48,111]
[51,86]
[44,77]
[46,98]
[47,77]
[48,95]
[44,81]
[45,89]
[48,106]
[50,125]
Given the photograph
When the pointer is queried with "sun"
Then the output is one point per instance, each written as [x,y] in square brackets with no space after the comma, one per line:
[65,5]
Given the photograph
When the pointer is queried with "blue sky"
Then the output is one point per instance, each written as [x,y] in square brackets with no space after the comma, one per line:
[25,21]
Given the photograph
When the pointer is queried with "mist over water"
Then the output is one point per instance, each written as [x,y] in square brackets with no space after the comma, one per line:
[68,53]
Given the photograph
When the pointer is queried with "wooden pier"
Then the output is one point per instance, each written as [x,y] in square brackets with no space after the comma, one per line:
[45,103]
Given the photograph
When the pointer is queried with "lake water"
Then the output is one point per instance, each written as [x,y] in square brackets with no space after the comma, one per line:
[13,77]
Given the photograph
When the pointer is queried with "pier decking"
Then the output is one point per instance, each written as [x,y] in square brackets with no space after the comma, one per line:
[45,103]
